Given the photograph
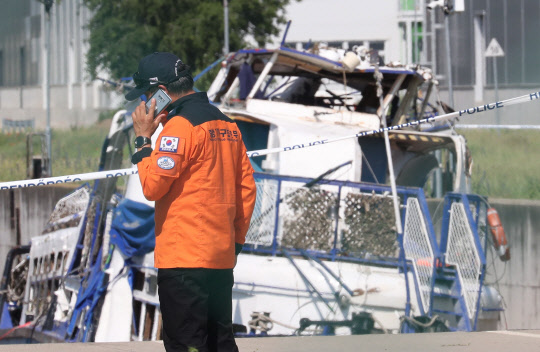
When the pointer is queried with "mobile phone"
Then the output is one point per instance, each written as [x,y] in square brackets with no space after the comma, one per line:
[162,100]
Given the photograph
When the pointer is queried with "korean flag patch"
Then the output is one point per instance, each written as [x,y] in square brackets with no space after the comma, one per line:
[168,144]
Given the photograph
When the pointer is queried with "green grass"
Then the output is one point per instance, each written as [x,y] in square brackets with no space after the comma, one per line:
[506,164]
[73,151]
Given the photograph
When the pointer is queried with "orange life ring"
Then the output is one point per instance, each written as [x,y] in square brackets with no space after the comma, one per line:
[428,262]
[499,237]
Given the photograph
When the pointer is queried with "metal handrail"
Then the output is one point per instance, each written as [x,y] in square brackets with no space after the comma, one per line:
[336,253]
[465,199]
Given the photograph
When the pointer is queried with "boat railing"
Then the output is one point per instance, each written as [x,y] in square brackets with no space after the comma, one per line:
[463,240]
[146,312]
[346,221]
[420,248]
[51,253]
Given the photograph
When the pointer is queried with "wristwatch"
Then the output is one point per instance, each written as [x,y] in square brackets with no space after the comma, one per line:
[141,141]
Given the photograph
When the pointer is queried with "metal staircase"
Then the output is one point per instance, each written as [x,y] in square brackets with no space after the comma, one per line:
[460,275]
[448,276]
[448,301]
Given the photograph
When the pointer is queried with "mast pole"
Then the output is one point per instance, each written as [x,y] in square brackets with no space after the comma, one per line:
[226,27]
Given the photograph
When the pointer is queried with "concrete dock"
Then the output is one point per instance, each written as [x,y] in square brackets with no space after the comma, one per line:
[522,340]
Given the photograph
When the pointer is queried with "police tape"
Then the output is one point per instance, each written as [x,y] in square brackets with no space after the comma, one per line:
[471,111]
[49,181]
[132,171]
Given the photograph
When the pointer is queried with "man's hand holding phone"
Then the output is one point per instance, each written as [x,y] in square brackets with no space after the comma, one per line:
[146,119]
[162,100]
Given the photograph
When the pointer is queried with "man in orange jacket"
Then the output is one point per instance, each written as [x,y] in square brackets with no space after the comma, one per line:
[202,182]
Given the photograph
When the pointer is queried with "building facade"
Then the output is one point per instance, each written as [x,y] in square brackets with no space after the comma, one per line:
[400,30]
[478,79]
[75,100]
[409,32]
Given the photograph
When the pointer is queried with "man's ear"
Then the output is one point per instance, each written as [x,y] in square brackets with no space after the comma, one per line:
[174,97]
[167,91]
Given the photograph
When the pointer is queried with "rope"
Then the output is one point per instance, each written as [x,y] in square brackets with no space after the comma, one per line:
[418,323]
[262,322]
[15,328]
[379,323]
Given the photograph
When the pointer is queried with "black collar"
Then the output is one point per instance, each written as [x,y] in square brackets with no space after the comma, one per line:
[176,107]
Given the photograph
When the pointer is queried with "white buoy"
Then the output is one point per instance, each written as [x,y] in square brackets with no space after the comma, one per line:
[350,61]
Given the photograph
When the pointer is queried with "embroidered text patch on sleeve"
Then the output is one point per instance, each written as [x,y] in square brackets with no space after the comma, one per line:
[170,144]
[165,163]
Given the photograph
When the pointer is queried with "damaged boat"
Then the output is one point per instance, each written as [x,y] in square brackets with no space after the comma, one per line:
[324,253]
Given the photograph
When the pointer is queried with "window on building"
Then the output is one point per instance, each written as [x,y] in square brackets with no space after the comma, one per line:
[376,46]
[22,65]
[407,5]
[1,68]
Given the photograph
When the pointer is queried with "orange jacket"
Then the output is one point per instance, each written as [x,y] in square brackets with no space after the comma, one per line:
[202,182]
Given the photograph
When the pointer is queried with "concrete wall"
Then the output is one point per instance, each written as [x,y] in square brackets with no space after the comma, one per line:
[71,106]
[23,215]
[518,280]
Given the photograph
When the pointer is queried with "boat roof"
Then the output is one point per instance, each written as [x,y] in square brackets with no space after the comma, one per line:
[291,62]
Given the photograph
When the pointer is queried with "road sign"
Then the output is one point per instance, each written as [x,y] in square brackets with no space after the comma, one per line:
[494,49]
[459,5]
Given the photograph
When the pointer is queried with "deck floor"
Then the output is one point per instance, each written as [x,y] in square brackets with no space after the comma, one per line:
[522,340]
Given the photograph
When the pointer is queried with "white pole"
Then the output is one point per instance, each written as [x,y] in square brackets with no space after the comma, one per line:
[48,86]
[479,60]
[448,61]
[226,27]
[415,36]
[496,82]
[384,104]
[263,75]
[433,44]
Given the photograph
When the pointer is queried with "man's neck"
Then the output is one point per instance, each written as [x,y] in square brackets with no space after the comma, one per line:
[175,97]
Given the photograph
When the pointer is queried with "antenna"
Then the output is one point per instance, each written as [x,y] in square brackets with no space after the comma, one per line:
[285,34]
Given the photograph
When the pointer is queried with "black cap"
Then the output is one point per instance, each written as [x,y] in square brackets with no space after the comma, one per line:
[156,69]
